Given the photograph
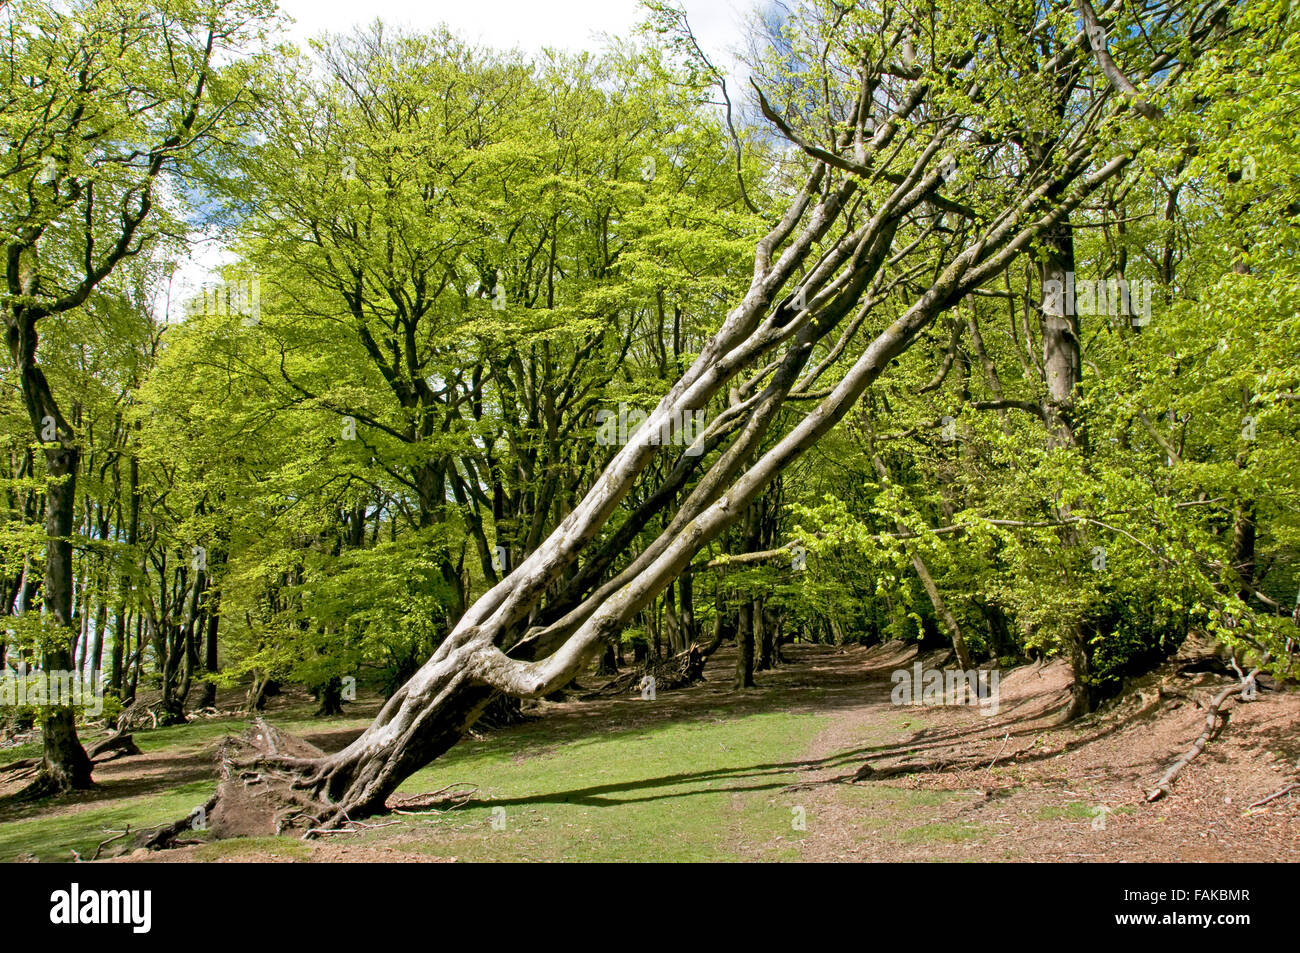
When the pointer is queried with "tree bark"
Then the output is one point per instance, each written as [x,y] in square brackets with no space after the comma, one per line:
[745,646]
[64,765]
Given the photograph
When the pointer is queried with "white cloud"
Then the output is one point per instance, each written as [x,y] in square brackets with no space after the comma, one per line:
[527,24]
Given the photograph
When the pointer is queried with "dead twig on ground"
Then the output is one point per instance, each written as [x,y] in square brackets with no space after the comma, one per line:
[1276,794]
[1000,750]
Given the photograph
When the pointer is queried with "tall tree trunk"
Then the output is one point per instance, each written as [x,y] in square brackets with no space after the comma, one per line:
[137,660]
[763,637]
[686,618]
[64,765]
[745,646]
[672,623]
[608,664]
[123,636]
[1062,363]
[95,655]
[330,697]
[210,662]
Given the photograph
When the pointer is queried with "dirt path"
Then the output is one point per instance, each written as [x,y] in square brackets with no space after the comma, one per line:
[1020,803]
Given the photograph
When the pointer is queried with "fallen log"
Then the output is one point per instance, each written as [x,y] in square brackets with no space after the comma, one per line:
[117,745]
[1211,722]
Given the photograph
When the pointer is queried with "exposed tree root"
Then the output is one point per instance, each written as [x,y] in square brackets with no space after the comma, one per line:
[117,835]
[502,712]
[258,792]
[272,783]
[117,745]
[677,671]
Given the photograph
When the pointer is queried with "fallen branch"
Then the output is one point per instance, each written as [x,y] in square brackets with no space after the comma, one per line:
[1000,750]
[118,835]
[424,803]
[359,828]
[1276,794]
[1211,722]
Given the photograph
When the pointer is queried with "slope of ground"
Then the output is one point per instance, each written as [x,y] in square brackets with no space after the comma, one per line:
[709,774]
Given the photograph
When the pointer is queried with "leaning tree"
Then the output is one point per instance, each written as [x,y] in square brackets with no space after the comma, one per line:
[940,143]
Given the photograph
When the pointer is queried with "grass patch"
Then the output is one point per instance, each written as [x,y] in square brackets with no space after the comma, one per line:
[1074,811]
[941,833]
[54,838]
[17,753]
[683,791]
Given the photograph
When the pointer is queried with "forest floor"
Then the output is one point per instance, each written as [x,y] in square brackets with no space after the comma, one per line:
[706,773]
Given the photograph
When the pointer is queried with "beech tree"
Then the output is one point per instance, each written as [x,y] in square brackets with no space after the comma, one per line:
[936,147]
[102,102]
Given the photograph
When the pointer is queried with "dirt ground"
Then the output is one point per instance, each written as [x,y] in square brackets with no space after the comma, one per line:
[1087,803]
[1004,786]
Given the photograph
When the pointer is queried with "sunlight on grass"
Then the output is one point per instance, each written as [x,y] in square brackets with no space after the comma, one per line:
[1075,810]
[54,838]
[686,791]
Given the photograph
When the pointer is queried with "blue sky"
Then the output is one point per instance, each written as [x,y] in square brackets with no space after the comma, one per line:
[529,25]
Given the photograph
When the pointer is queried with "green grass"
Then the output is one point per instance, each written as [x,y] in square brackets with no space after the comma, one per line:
[18,752]
[701,789]
[942,832]
[1075,810]
[55,837]
[682,791]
